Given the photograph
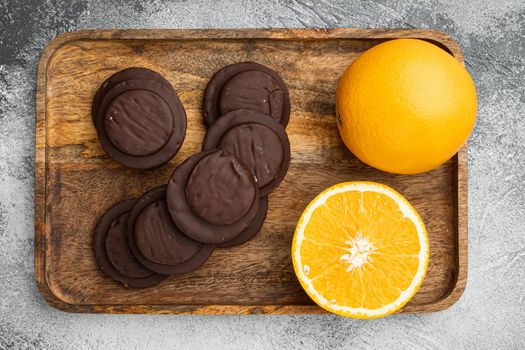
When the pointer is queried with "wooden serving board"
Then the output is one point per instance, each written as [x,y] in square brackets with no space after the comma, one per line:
[76,181]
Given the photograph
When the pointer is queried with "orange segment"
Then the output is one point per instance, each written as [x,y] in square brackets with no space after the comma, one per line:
[360,250]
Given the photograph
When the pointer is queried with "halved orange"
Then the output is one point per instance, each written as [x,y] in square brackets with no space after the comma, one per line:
[360,250]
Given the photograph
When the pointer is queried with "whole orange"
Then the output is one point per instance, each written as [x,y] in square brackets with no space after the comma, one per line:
[405,106]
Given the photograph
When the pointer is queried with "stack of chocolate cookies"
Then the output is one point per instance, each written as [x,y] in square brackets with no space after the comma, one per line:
[215,198]
[139,118]
[219,196]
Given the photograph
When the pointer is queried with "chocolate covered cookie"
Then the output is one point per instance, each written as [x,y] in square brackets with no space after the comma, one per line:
[112,251]
[156,241]
[212,196]
[246,85]
[141,123]
[259,141]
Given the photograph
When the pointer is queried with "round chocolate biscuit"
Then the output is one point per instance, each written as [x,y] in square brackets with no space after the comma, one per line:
[252,89]
[227,200]
[141,123]
[123,75]
[251,230]
[257,140]
[112,251]
[246,85]
[138,122]
[156,241]
[220,189]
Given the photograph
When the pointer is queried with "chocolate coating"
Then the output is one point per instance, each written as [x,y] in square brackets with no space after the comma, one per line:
[251,230]
[157,243]
[158,239]
[246,85]
[259,148]
[138,122]
[176,129]
[123,75]
[220,189]
[188,221]
[112,252]
[117,250]
[252,90]
[257,140]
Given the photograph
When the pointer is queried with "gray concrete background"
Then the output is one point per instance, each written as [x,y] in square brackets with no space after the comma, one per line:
[491,313]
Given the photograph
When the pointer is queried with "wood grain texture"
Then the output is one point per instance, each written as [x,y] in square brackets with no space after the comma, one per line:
[76,181]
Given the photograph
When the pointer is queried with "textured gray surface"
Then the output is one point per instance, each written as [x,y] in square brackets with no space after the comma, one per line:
[491,313]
